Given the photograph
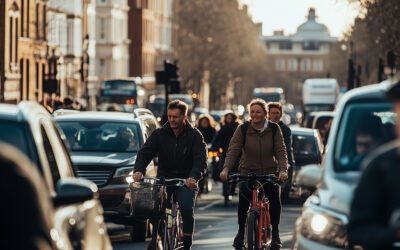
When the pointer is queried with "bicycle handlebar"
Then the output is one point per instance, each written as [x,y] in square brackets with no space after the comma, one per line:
[180,181]
[252,176]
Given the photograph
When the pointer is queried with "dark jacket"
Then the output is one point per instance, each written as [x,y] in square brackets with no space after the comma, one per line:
[179,156]
[208,133]
[222,140]
[376,197]
[287,137]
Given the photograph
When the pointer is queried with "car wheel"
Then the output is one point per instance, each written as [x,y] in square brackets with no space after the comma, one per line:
[139,231]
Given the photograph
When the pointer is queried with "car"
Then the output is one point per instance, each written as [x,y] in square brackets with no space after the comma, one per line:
[307,149]
[322,122]
[78,215]
[324,218]
[103,148]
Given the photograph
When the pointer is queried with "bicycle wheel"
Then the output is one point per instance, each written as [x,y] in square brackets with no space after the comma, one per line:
[252,230]
[177,235]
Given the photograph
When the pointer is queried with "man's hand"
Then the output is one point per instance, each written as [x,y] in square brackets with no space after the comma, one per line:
[224,174]
[191,183]
[282,176]
[137,176]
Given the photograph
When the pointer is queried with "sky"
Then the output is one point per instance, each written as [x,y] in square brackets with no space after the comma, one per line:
[337,15]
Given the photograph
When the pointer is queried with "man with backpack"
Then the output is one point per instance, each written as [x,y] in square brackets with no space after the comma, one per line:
[262,151]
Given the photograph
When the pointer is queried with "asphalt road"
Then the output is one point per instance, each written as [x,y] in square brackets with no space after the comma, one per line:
[216,225]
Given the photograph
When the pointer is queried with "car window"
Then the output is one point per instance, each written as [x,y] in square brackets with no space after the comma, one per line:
[304,144]
[364,127]
[101,136]
[50,156]
[17,134]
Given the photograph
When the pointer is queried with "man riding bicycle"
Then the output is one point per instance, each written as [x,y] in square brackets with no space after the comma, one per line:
[181,153]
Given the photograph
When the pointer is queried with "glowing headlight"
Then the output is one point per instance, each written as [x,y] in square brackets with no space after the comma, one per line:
[318,223]
[324,226]
[123,172]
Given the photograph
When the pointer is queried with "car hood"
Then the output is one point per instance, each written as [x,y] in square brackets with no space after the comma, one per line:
[114,159]
[336,191]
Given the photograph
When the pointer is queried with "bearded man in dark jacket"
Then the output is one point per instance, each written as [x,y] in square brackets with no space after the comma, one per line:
[181,153]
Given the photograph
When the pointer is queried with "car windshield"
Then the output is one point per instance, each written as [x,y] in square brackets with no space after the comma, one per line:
[101,136]
[304,145]
[363,128]
[14,134]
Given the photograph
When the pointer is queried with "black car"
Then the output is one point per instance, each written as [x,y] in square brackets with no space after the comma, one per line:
[307,149]
[78,214]
[103,148]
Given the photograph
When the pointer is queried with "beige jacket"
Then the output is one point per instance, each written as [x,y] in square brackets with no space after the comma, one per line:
[258,156]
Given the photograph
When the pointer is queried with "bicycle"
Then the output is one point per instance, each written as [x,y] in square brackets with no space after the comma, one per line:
[258,224]
[167,227]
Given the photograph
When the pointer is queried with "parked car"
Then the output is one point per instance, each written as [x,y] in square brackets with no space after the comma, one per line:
[307,149]
[103,148]
[324,218]
[79,222]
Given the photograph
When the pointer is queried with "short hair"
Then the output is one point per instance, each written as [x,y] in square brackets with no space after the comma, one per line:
[370,125]
[276,105]
[259,102]
[177,104]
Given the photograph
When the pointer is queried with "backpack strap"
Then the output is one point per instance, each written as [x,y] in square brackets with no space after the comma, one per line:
[274,128]
[244,131]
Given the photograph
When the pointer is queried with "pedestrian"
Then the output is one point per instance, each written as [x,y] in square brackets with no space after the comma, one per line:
[374,221]
[263,152]
[275,114]
[206,127]
[181,153]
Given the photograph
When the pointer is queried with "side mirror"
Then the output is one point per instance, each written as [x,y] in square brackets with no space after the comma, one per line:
[74,190]
[309,175]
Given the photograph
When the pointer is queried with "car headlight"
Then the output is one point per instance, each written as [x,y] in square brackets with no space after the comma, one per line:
[324,226]
[123,172]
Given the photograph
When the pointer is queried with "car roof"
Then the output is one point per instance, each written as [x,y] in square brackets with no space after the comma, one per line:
[301,130]
[97,115]
[24,111]
[369,92]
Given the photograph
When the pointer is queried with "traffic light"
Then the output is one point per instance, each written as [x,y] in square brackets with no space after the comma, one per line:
[171,77]
[174,87]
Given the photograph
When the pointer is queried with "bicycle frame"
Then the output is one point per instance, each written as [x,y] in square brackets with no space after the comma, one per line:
[264,225]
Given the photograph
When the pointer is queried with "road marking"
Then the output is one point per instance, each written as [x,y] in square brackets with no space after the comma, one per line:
[209,205]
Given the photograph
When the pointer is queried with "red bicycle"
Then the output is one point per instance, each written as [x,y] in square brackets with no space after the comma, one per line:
[258,224]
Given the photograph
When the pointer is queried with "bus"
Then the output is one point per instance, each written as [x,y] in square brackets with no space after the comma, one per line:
[125,93]
[270,94]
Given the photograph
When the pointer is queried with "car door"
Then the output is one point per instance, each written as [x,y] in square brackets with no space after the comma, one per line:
[82,222]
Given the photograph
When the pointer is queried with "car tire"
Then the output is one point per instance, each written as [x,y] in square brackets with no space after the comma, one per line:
[139,231]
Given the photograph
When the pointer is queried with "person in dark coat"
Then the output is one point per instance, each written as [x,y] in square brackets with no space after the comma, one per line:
[181,153]
[374,221]
[206,128]
[275,113]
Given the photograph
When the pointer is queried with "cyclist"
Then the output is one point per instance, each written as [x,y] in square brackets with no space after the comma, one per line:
[206,128]
[263,152]
[181,153]
[275,113]
[374,221]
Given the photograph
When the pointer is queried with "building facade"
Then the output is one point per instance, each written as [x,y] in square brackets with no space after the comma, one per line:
[294,58]
[153,32]
[23,64]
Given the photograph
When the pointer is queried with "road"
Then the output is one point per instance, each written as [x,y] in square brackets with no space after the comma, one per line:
[216,225]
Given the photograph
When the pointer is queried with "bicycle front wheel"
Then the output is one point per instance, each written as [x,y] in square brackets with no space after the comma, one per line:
[252,231]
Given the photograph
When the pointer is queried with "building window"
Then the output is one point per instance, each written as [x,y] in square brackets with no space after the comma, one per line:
[102,66]
[285,45]
[22,17]
[21,80]
[27,79]
[11,39]
[318,65]
[305,65]
[280,64]
[27,18]
[102,28]
[37,21]
[44,22]
[292,64]
[311,45]
[37,81]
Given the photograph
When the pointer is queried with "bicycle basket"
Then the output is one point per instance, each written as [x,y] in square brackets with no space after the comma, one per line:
[147,199]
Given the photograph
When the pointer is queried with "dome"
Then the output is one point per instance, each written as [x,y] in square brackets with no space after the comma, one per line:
[311,29]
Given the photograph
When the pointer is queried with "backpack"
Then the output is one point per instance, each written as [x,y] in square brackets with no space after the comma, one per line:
[274,128]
